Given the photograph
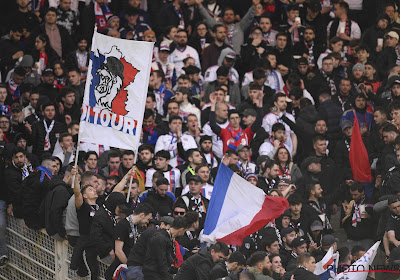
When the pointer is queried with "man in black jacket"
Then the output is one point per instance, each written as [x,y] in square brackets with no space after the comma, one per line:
[198,266]
[34,189]
[10,50]
[56,202]
[104,222]
[235,262]
[158,198]
[44,133]
[160,253]
[14,174]
[305,267]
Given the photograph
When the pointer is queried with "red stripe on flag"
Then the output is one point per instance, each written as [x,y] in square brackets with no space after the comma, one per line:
[330,262]
[271,209]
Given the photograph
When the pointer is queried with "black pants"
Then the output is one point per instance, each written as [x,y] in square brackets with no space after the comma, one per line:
[84,257]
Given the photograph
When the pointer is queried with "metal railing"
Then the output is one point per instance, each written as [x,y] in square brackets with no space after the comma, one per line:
[34,255]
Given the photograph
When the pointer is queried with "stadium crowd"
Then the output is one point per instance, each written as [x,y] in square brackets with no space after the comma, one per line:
[270,88]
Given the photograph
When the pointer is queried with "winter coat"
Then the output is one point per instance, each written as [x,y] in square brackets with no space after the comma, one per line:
[197,267]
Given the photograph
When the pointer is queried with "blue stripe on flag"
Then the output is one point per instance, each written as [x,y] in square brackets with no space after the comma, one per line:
[221,185]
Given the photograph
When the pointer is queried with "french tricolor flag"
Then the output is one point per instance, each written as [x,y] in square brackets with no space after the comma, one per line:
[238,209]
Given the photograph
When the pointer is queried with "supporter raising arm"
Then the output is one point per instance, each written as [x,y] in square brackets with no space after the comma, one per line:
[234,135]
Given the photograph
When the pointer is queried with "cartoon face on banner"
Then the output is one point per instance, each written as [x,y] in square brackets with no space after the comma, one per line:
[112,74]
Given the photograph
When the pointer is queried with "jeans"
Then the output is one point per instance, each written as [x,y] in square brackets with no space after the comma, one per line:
[3,225]
[134,273]
[364,243]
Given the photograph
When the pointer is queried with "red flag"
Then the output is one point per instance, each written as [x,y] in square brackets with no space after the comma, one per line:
[358,156]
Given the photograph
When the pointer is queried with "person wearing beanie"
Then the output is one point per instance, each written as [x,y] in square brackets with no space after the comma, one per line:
[113,23]
[133,29]
[374,33]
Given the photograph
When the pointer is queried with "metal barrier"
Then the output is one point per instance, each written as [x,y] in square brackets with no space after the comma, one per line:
[37,256]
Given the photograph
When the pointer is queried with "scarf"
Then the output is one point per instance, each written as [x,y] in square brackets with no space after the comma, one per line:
[111,215]
[102,13]
[295,33]
[13,88]
[5,109]
[321,210]
[235,137]
[330,82]
[47,143]
[284,173]
[356,215]
[396,49]
[334,28]
[134,233]
[44,172]
[229,32]
[311,59]
[26,170]
[179,13]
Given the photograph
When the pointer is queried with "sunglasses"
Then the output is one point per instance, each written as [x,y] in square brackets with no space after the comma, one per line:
[179,213]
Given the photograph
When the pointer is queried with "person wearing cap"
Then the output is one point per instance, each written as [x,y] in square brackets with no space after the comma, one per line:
[244,163]
[226,58]
[234,135]
[166,67]
[387,58]
[327,242]
[126,234]
[342,26]
[158,198]
[212,52]
[278,111]
[375,32]
[342,149]
[299,246]
[235,263]
[133,28]
[182,51]
[315,234]
[194,199]
[47,88]
[364,117]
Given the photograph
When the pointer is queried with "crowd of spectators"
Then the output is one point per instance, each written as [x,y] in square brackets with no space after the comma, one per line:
[270,88]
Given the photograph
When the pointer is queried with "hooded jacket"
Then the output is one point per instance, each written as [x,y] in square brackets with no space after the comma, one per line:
[56,202]
[102,231]
[197,267]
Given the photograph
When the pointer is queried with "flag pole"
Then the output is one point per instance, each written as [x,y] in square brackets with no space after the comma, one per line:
[130,181]
[78,146]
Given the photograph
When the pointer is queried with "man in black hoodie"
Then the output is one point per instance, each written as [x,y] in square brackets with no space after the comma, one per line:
[56,202]
[160,253]
[104,222]
[198,266]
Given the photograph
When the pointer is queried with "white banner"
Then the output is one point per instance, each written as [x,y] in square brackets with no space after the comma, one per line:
[359,269]
[115,92]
